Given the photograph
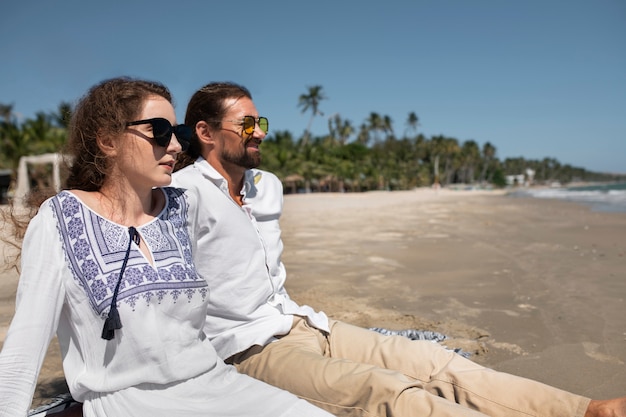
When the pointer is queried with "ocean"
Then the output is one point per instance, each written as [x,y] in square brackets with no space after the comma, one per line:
[605,197]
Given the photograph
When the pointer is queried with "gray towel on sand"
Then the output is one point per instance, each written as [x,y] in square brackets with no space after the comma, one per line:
[414,334]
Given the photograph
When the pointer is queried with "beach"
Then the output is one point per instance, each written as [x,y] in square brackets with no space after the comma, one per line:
[534,287]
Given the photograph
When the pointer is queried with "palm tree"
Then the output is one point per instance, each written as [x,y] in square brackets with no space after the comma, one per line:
[13,142]
[63,114]
[387,125]
[488,154]
[363,137]
[44,135]
[552,169]
[470,155]
[412,122]
[340,130]
[420,158]
[311,101]
[345,131]
[279,154]
[514,166]
[375,124]
[450,149]
[6,112]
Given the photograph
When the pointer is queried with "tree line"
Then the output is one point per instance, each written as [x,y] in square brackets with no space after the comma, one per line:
[371,156]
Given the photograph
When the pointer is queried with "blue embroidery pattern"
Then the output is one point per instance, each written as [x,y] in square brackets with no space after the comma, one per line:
[96,266]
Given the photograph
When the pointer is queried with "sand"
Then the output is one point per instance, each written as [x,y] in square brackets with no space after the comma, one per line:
[532,287]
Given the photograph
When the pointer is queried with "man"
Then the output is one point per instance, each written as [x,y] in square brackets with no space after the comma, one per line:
[256,326]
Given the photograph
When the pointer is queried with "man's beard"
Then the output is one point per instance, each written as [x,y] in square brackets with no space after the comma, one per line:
[243,159]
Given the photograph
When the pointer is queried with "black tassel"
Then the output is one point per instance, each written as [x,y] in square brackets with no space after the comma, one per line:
[113,321]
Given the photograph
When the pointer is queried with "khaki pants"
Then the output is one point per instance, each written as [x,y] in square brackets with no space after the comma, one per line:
[357,372]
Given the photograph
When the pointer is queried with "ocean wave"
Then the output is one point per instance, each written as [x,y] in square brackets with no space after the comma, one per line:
[601,197]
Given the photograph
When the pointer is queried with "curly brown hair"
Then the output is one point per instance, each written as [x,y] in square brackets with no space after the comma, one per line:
[103,112]
[208,104]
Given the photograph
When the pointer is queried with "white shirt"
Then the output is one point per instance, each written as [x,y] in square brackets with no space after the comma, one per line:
[238,251]
[71,258]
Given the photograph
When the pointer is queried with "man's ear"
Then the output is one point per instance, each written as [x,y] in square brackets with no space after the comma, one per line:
[204,133]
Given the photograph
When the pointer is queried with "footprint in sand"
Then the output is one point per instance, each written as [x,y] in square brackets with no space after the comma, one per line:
[591,350]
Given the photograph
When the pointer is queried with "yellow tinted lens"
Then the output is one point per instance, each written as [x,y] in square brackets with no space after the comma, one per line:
[248,124]
[264,124]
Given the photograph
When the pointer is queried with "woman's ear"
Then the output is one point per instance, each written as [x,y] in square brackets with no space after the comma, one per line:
[106,144]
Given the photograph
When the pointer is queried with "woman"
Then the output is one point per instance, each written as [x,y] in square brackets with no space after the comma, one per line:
[107,264]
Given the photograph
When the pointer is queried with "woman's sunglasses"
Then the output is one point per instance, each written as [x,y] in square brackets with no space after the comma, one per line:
[248,123]
[162,131]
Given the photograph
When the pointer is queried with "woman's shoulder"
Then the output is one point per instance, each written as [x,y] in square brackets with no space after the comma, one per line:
[57,202]
[68,202]
[173,192]
[176,198]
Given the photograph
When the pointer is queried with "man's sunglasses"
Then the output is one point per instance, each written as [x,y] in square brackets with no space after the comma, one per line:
[248,123]
[162,131]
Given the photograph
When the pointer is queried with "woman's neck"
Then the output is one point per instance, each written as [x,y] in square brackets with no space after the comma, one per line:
[130,207]
[124,204]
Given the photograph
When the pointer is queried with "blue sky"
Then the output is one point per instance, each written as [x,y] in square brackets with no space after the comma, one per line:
[536,78]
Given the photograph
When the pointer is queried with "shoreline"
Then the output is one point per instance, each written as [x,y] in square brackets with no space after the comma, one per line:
[529,286]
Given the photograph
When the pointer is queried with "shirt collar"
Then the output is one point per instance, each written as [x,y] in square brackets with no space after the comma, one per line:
[208,171]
